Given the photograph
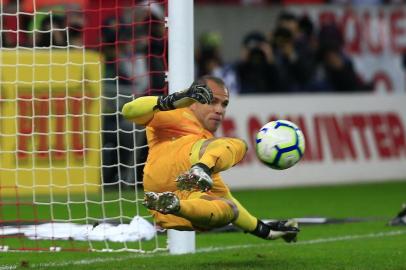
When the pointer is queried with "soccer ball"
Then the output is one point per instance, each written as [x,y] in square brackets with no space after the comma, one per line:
[280,144]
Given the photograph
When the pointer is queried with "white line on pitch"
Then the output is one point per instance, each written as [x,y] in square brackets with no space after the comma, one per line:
[210,249]
[307,242]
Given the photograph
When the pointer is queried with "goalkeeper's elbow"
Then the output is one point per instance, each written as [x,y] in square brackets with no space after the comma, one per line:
[140,110]
[127,111]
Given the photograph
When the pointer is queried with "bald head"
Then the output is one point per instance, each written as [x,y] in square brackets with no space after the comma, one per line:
[221,88]
[212,115]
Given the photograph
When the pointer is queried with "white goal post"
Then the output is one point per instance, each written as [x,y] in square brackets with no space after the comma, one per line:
[181,75]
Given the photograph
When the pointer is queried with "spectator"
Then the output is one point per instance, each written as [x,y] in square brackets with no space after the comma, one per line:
[339,70]
[336,67]
[294,45]
[148,26]
[294,67]
[210,62]
[256,71]
[75,35]
[288,20]
[307,41]
[208,55]
[75,22]
[52,32]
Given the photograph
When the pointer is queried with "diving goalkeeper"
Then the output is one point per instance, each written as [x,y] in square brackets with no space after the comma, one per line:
[183,187]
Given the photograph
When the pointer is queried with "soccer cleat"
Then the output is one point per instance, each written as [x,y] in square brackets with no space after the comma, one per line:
[285,229]
[196,178]
[165,202]
[150,199]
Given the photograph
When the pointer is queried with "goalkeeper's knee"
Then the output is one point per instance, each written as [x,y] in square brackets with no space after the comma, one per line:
[220,154]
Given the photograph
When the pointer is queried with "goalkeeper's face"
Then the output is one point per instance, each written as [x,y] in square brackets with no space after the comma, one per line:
[211,115]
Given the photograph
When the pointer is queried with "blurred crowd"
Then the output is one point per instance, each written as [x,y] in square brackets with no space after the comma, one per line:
[292,58]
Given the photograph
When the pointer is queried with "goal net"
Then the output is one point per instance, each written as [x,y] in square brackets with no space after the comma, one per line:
[70,165]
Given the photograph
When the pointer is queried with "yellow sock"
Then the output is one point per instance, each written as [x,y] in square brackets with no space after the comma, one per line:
[207,213]
[245,220]
[222,153]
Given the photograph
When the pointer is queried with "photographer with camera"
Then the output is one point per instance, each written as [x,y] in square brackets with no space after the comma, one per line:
[256,71]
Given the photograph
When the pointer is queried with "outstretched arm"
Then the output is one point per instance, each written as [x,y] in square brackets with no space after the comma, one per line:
[142,109]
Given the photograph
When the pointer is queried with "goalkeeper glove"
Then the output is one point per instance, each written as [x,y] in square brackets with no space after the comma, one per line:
[285,229]
[196,92]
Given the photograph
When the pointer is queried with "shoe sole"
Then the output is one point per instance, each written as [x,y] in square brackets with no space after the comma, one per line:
[165,203]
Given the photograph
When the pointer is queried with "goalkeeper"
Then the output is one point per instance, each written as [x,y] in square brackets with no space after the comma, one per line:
[183,187]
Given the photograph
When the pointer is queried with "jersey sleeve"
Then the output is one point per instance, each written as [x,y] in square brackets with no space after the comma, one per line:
[141,110]
[163,119]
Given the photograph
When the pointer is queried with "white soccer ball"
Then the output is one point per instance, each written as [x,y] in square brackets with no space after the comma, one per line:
[280,144]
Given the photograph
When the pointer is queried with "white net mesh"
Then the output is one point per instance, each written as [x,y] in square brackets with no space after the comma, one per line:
[70,166]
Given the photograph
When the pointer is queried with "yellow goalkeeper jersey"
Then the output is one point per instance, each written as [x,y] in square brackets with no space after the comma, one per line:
[171,135]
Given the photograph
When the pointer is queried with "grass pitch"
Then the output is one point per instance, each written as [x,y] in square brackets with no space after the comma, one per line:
[369,244]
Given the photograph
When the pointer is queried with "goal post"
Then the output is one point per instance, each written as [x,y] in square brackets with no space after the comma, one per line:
[180,76]
[67,157]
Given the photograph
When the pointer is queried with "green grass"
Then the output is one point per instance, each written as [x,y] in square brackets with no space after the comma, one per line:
[359,245]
